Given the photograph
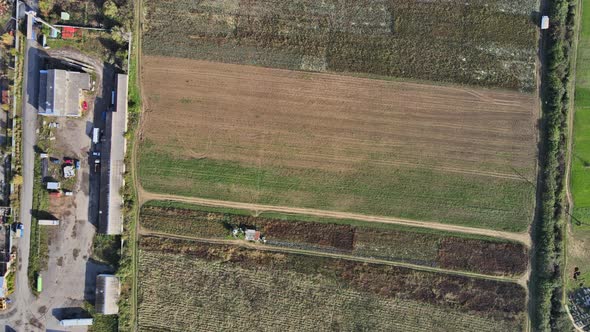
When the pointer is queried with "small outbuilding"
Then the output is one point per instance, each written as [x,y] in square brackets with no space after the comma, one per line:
[48,222]
[76,322]
[53,186]
[108,289]
[252,235]
[545,22]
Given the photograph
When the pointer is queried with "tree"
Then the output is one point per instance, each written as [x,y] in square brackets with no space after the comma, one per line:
[119,35]
[110,10]
[7,40]
[17,180]
[45,7]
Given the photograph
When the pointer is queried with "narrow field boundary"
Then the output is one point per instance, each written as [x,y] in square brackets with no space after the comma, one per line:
[521,281]
[524,238]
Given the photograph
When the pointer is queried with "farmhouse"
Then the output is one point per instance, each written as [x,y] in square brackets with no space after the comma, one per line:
[108,289]
[60,92]
[113,158]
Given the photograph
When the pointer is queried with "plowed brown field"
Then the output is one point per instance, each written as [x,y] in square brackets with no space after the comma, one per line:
[326,141]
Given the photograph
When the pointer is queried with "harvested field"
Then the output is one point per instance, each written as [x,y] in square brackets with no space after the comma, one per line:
[394,243]
[278,137]
[216,288]
[491,43]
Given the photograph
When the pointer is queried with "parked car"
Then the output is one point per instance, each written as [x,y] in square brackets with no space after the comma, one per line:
[20,229]
[77,163]
[96,153]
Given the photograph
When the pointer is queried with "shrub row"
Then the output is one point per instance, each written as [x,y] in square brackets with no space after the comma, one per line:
[549,313]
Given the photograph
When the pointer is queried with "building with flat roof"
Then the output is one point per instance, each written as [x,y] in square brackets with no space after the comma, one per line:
[53,186]
[113,161]
[60,92]
[108,290]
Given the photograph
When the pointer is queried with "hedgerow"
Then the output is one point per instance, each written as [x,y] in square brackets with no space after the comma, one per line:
[547,283]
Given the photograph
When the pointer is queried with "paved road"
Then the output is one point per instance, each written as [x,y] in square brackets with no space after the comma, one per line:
[19,315]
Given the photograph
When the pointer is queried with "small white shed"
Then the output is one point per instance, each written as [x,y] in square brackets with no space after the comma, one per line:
[545,22]
[53,186]
[48,222]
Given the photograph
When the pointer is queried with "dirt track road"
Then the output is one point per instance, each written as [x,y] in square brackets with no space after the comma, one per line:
[259,208]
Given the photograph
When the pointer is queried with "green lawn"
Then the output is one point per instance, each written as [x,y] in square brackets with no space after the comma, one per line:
[419,194]
[578,244]
[581,152]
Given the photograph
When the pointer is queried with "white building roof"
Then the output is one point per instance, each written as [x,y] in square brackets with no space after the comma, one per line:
[108,290]
[545,22]
[60,92]
[112,223]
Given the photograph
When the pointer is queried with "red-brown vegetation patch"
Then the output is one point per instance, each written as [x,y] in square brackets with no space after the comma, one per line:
[447,251]
[485,257]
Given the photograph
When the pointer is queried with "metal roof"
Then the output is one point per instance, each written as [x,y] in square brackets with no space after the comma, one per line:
[111,221]
[76,322]
[60,92]
[2,287]
[108,290]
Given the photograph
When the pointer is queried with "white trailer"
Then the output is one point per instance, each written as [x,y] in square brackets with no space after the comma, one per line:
[95,135]
[48,222]
[544,22]
[76,322]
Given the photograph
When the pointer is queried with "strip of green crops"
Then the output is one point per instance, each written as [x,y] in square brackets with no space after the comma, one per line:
[417,194]
[581,152]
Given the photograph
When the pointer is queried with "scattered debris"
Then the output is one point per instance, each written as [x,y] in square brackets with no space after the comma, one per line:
[69,171]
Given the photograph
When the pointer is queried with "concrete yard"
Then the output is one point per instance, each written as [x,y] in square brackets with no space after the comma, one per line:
[70,277]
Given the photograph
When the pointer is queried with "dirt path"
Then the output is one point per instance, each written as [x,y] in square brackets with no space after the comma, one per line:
[262,247]
[145,196]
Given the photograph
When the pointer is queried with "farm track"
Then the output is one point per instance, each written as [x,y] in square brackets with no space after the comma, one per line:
[524,238]
[521,281]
